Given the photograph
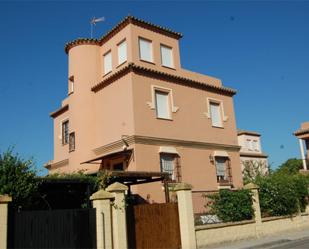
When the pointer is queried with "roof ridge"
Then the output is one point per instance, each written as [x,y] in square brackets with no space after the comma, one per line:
[123,23]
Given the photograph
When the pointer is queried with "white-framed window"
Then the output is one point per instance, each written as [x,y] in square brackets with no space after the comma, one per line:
[166,56]
[162,104]
[255,145]
[167,163]
[65,132]
[122,52]
[108,62]
[247,143]
[145,49]
[215,114]
[71,84]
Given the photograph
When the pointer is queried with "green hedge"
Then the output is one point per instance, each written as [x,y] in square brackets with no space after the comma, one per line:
[232,205]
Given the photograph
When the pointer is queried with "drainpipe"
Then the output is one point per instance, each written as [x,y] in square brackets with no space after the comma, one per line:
[301,145]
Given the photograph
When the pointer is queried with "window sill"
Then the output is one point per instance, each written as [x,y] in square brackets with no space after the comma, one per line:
[167,119]
[219,127]
[64,144]
[106,74]
[172,68]
[150,62]
[121,64]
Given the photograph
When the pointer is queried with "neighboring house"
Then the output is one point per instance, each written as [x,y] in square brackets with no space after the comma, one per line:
[303,136]
[132,107]
[251,154]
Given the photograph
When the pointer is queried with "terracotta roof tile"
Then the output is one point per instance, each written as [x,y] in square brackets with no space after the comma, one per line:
[301,132]
[158,74]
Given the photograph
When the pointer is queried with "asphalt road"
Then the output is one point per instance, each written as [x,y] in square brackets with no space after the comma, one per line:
[284,244]
[295,244]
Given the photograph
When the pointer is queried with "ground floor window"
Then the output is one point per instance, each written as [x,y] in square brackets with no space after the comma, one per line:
[221,169]
[118,166]
[167,162]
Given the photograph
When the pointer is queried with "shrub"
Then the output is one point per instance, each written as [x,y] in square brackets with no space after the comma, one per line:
[232,205]
[282,194]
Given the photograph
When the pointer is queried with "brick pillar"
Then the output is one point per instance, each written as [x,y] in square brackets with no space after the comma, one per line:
[119,215]
[102,202]
[4,201]
[186,216]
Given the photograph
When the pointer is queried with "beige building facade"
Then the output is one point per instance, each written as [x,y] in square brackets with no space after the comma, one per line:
[251,154]
[303,137]
[132,107]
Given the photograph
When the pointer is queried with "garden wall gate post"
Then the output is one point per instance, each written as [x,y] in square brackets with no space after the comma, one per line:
[186,216]
[255,202]
[120,238]
[4,201]
[101,201]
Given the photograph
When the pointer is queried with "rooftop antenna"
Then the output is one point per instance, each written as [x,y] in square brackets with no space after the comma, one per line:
[93,22]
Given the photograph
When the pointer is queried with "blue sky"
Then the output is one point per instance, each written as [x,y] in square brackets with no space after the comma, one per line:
[258,47]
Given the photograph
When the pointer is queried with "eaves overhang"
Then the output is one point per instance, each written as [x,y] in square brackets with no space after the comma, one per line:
[131,67]
[59,111]
[301,132]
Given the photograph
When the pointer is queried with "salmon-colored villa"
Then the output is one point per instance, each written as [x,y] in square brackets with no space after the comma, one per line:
[132,107]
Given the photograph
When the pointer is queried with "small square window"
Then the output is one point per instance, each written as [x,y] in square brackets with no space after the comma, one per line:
[162,104]
[65,132]
[145,50]
[107,62]
[215,114]
[122,52]
[167,56]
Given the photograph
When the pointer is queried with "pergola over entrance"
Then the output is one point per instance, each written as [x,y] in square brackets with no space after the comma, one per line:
[130,178]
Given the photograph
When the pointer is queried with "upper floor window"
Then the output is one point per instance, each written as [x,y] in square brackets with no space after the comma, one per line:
[145,49]
[108,62]
[72,141]
[255,145]
[215,114]
[65,132]
[122,52]
[167,56]
[162,104]
[167,162]
[248,144]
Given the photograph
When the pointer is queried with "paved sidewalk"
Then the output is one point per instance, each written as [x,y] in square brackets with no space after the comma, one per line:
[265,242]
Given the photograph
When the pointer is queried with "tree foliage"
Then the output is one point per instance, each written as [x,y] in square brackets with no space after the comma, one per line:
[291,166]
[17,178]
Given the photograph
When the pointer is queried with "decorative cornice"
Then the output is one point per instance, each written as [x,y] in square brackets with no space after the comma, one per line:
[121,25]
[131,67]
[57,164]
[136,139]
[59,111]
[257,155]
[245,132]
